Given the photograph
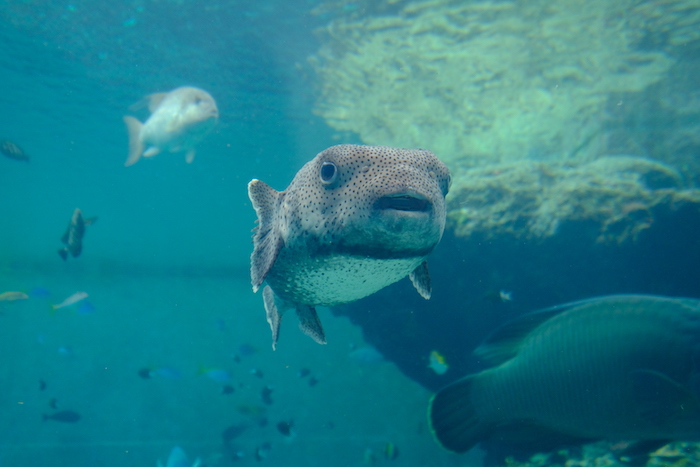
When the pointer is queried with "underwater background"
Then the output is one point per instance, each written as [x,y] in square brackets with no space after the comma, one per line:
[572,131]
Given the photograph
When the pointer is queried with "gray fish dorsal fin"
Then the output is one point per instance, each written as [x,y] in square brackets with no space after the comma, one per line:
[267,241]
[309,323]
[660,399]
[504,343]
[420,278]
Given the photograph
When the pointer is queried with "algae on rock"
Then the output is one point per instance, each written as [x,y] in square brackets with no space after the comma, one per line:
[485,82]
[531,200]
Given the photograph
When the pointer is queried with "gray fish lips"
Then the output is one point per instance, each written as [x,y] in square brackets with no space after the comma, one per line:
[412,202]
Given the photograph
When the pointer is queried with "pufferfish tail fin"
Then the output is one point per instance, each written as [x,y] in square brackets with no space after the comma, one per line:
[267,241]
[453,418]
[135,144]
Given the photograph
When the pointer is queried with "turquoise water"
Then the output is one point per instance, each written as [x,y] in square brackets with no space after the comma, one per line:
[166,264]
[174,349]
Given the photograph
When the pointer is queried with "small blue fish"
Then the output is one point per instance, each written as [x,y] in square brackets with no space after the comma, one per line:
[159,372]
[39,292]
[246,350]
[86,308]
[166,372]
[216,374]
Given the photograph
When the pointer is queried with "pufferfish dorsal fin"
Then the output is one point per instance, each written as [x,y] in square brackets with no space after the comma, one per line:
[420,278]
[267,241]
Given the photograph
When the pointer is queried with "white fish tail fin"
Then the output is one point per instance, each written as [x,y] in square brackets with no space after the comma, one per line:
[135,144]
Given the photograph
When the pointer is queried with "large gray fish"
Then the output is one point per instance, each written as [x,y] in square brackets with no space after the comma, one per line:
[354,220]
[73,237]
[623,367]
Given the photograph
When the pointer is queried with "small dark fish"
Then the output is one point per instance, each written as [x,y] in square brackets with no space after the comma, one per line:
[256,372]
[227,389]
[53,403]
[266,395]
[11,150]
[313,381]
[64,416]
[73,238]
[303,373]
[232,432]
[285,428]
[145,373]
[42,385]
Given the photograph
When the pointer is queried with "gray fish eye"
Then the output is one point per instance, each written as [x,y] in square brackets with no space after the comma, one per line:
[329,172]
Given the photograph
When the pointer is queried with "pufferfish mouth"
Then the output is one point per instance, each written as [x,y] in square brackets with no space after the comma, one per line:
[403,202]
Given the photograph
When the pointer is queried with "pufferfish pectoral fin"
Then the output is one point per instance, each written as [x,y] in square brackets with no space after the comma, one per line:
[310,324]
[420,278]
[267,241]
[274,316]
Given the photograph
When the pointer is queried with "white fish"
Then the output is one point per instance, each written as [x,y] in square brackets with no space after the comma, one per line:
[179,120]
[178,458]
[72,300]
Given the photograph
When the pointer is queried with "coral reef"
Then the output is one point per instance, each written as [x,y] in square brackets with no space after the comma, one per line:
[676,454]
[531,200]
[492,81]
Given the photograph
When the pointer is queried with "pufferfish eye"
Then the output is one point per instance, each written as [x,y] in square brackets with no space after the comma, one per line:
[329,172]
